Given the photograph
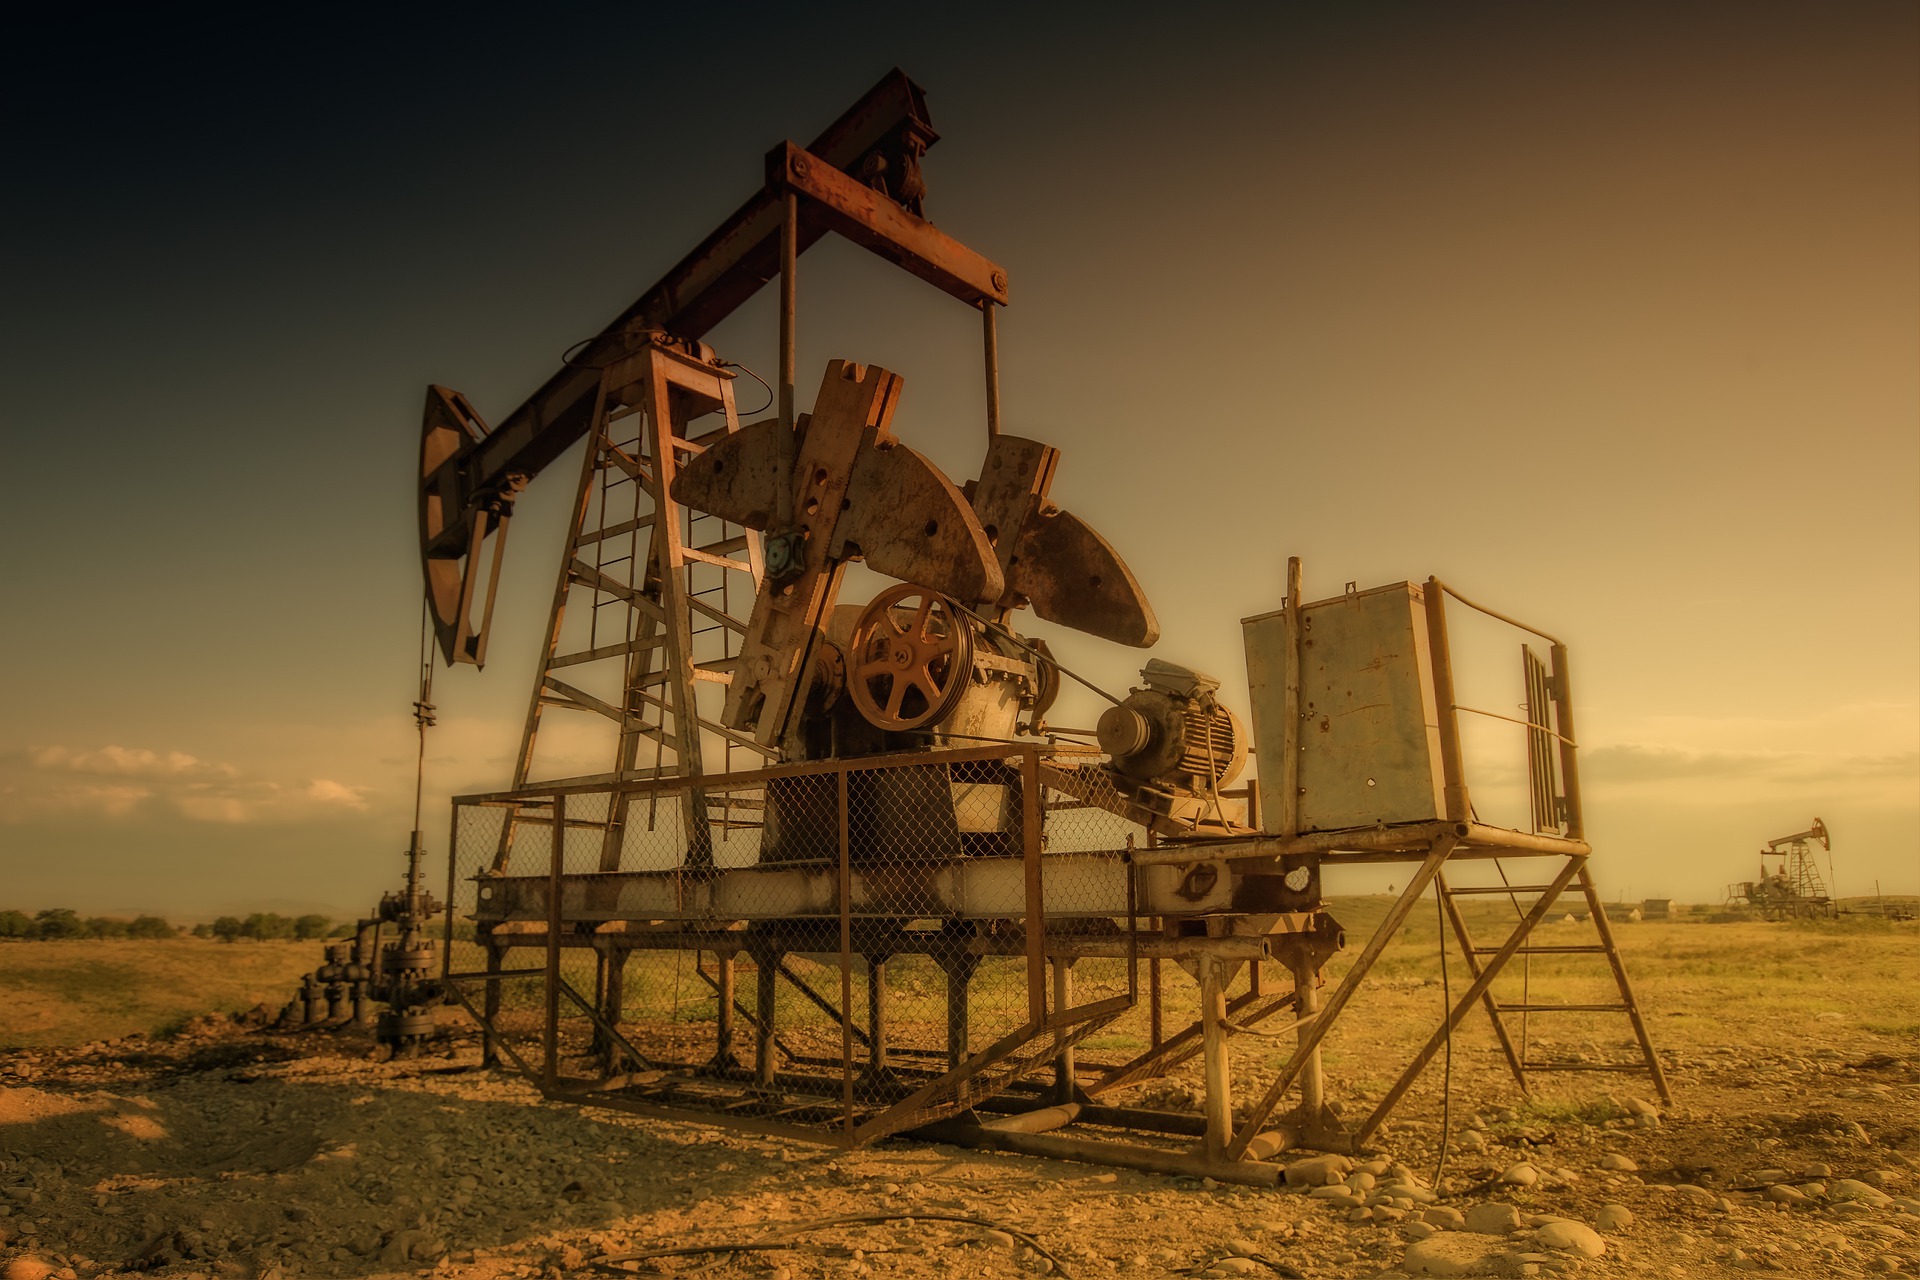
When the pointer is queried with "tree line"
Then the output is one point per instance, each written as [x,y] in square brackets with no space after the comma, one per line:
[264,926]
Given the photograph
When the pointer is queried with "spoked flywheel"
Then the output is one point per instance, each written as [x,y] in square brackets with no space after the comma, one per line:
[911,658]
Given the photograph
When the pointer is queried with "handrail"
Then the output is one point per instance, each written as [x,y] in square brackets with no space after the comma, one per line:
[1494,613]
[1495,715]
[748,777]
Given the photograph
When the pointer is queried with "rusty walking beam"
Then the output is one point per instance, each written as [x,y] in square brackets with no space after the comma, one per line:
[733,264]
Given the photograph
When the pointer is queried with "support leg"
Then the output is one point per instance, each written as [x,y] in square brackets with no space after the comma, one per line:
[959,971]
[1219,1099]
[1598,911]
[602,1046]
[1156,1031]
[723,1017]
[1065,1082]
[1473,995]
[766,963]
[1306,1002]
[490,1008]
[876,1019]
[1317,1029]
[1464,936]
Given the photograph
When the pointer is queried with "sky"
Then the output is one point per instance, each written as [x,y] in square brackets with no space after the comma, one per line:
[1607,314]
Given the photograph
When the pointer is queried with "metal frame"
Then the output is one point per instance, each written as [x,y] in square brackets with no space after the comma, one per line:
[469,479]
[472,476]
[1054,1027]
[642,599]
[1206,944]
[1456,836]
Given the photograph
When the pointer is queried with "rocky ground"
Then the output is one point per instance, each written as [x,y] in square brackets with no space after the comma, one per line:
[230,1154]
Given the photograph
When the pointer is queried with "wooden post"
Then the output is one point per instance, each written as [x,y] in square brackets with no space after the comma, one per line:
[1213,1033]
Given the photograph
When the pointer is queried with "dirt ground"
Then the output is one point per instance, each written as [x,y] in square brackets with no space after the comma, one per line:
[231,1154]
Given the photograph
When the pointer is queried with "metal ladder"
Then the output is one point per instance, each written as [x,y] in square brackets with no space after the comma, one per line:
[1524,897]
[665,593]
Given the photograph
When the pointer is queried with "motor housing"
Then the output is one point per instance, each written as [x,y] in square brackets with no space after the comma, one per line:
[1173,732]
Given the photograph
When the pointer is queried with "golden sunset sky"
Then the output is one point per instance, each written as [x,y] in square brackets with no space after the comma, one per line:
[1606,313]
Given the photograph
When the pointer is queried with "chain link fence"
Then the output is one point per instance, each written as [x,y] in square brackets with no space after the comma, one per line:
[839,951]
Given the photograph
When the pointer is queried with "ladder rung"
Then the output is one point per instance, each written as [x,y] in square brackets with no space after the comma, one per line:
[1592,949]
[615,530]
[722,562]
[605,651]
[1583,1066]
[1498,888]
[1561,1008]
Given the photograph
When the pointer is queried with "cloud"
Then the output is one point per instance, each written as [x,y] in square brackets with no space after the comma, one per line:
[228,809]
[1847,731]
[327,791]
[135,763]
[1637,763]
[1708,778]
[114,800]
[124,783]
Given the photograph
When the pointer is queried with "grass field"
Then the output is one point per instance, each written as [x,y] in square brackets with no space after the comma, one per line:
[1720,984]
[74,992]
[1746,987]
[1786,1045]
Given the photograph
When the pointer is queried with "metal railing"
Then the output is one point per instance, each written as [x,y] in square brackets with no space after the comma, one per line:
[836,950]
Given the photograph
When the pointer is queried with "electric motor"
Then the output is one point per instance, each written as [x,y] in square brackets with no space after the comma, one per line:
[1173,732]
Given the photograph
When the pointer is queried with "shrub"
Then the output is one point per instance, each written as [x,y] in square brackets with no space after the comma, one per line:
[16,924]
[58,922]
[227,928]
[265,926]
[307,928]
[150,927]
